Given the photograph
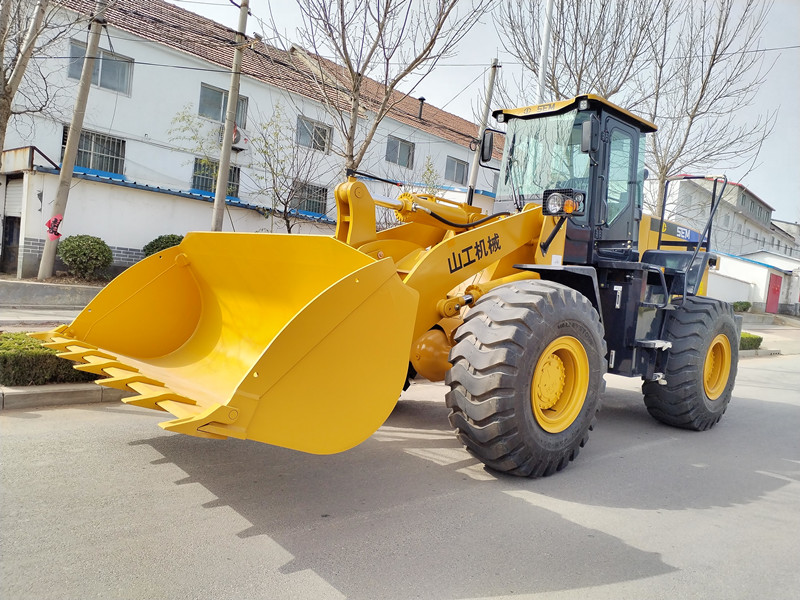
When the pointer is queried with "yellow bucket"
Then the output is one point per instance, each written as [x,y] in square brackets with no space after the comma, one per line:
[295,341]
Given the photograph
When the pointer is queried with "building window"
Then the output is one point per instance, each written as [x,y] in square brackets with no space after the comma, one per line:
[456,170]
[97,151]
[310,198]
[726,221]
[204,177]
[111,71]
[313,134]
[400,152]
[214,105]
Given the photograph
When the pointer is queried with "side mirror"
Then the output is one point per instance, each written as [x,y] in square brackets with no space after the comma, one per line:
[487,146]
[589,136]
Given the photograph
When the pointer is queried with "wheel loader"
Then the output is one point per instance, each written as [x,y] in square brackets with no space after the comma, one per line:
[306,342]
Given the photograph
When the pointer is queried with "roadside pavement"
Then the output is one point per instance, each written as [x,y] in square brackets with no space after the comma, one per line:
[34,318]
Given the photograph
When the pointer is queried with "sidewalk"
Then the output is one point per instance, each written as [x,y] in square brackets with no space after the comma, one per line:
[34,319]
[781,334]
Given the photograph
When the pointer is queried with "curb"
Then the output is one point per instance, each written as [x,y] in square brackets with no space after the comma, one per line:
[57,394]
[758,352]
[30,323]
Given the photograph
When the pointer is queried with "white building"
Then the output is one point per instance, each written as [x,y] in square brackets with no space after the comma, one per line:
[141,173]
[742,224]
[760,256]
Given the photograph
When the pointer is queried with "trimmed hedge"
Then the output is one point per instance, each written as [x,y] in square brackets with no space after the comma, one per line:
[741,306]
[162,242]
[750,341]
[86,256]
[24,361]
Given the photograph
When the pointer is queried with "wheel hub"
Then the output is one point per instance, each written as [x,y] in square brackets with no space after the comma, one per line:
[559,384]
[717,367]
[551,383]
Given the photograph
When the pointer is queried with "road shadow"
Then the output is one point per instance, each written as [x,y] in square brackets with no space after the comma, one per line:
[402,516]
[378,522]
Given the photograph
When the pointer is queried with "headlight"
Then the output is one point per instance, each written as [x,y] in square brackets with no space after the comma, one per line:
[562,203]
[555,203]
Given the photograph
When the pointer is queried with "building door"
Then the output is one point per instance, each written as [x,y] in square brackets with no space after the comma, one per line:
[774,293]
[10,224]
[8,259]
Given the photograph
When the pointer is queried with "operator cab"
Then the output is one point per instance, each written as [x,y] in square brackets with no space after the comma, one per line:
[583,159]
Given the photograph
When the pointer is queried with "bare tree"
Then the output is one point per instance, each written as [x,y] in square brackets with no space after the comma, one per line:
[595,45]
[201,138]
[692,67]
[283,170]
[704,77]
[27,31]
[373,46]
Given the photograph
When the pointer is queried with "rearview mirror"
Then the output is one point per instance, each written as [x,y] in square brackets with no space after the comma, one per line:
[588,136]
[487,146]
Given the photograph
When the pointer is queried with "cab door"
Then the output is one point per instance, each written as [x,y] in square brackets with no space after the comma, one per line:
[619,206]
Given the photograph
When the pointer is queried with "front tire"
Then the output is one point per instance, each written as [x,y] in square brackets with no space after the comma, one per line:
[527,372]
[701,365]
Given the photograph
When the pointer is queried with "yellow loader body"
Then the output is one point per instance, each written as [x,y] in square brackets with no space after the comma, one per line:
[300,341]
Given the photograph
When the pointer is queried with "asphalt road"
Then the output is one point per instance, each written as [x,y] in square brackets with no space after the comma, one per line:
[97,501]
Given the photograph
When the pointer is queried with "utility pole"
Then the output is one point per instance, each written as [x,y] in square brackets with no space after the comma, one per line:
[548,21]
[73,137]
[476,157]
[230,122]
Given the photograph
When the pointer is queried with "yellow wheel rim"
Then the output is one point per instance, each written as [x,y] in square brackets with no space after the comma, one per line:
[560,382]
[717,367]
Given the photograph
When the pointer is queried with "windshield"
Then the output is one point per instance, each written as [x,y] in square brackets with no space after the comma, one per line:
[542,154]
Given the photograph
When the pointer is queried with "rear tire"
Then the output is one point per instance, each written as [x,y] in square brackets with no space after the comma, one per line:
[527,372]
[701,366]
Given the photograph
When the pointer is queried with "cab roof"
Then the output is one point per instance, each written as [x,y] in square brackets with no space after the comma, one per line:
[562,106]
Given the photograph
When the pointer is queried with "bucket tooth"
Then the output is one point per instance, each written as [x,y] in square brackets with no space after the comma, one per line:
[120,378]
[180,410]
[200,423]
[45,336]
[216,421]
[62,344]
[152,396]
[82,354]
[99,365]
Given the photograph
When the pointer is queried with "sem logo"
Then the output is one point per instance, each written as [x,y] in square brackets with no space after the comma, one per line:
[683,233]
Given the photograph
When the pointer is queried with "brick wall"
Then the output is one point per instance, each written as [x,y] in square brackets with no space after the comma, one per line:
[32,248]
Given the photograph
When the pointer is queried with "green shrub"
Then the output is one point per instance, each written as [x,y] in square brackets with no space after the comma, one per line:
[741,306]
[24,361]
[750,341]
[86,256]
[162,242]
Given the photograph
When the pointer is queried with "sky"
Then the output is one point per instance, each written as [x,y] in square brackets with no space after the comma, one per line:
[457,83]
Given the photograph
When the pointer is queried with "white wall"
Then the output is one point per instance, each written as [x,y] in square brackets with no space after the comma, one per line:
[756,275]
[729,289]
[128,218]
